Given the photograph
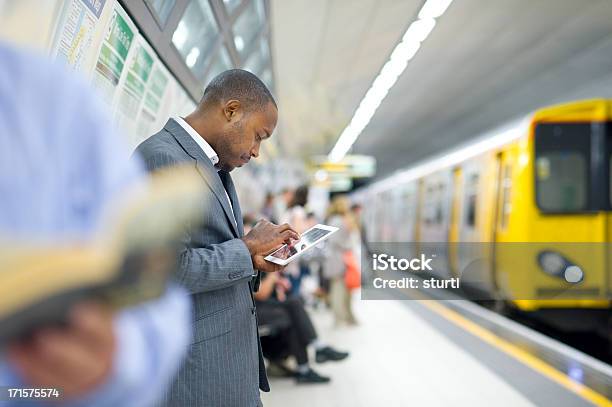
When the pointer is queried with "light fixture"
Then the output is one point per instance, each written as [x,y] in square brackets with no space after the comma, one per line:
[321,175]
[239,41]
[192,57]
[403,52]
[180,35]
[419,30]
[554,264]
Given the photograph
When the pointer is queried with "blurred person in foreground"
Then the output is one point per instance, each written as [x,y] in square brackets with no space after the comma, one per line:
[339,248]
[219,263]
[61,166]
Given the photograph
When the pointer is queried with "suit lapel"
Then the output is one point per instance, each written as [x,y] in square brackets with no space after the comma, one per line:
[207,171]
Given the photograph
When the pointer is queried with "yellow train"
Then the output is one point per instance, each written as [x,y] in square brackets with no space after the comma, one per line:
[538,198]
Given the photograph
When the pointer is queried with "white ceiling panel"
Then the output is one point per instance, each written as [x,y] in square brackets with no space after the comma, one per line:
[485,63]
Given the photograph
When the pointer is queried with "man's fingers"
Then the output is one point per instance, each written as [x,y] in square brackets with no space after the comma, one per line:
[266,266]
[288,235]
[286,226]
[273,268]
[35,371]
[69,354]
[261,223]
[93,323]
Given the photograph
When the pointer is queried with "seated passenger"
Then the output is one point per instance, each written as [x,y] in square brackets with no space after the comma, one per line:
[292,330]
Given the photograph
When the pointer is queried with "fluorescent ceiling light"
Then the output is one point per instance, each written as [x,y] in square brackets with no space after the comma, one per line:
[419,30]
[434,8]
[403,52]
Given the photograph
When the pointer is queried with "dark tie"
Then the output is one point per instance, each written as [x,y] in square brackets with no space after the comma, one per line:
[224,177]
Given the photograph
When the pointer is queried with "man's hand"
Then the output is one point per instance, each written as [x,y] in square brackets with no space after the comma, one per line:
[259,263]
[264,238]
[74,359]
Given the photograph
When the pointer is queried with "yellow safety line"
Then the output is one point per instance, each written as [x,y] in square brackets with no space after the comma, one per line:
[518,353]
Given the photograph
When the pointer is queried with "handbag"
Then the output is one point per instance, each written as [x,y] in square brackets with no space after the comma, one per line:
[352,276]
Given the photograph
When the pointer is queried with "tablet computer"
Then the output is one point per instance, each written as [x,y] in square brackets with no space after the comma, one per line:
[287,253]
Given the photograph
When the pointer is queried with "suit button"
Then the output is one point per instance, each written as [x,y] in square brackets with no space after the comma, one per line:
[253,310]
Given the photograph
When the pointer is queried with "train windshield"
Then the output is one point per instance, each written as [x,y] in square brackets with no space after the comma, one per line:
[563,153]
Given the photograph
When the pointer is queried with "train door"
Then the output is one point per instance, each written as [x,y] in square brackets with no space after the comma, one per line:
[501,212]
[608,166]
[435,219]
[455,221]
[478,195]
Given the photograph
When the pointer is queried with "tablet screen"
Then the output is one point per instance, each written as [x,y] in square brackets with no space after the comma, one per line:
[307,239]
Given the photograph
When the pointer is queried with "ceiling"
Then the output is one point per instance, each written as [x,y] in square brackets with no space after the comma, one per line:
[484,64]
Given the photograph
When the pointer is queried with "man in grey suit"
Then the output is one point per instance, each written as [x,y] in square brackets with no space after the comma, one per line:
[224,366]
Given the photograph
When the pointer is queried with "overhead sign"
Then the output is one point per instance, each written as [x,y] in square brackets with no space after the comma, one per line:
[353,166]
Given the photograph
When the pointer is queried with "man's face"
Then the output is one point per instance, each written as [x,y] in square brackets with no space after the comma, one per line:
[243,134]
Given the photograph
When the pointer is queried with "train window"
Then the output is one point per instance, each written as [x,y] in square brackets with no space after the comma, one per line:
[506,196]
[433,210]
[563,153]
[434,204]
[195,35]
[472,194]
[562,181]
[440,203]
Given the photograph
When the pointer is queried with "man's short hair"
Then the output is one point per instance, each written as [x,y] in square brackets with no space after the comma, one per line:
[240,85]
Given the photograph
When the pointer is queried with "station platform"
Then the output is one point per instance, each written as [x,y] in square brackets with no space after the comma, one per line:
[425,353]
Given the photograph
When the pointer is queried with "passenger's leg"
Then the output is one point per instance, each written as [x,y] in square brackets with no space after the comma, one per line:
[308,334]
[337,301]
[350,317]
[301,319]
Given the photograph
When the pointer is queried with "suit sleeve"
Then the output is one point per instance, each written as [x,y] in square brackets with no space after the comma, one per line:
[216,266]
[211,267]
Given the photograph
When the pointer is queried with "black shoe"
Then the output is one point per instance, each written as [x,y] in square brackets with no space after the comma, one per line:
[310,377]
[329,353]
[278,369]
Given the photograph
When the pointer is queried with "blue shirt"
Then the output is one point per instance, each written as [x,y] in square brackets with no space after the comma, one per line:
[61,164]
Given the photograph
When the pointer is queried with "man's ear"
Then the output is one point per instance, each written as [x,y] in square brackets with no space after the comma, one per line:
[232,110]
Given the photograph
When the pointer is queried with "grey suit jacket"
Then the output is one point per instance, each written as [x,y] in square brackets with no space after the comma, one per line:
[224,365]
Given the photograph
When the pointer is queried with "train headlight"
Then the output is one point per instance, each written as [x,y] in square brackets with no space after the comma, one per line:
[554,264]
[573,274]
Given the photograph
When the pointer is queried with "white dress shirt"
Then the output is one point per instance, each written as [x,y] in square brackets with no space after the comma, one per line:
[207,149]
